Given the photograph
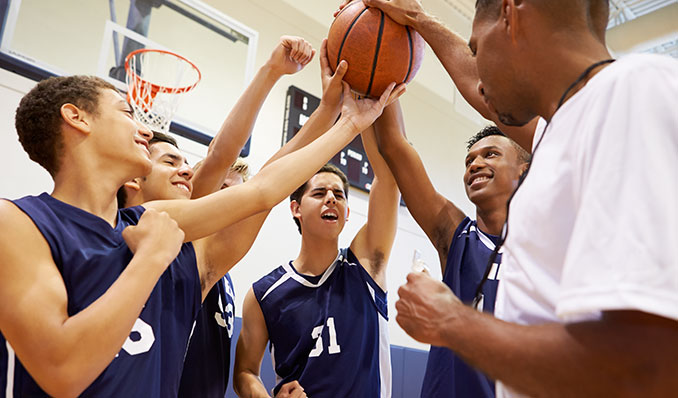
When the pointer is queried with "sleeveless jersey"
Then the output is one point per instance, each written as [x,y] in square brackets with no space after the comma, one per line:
[330,331]
[446,374]
[206,368]
[90,256]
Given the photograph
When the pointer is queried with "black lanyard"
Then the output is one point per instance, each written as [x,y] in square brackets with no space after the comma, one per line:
[478,298]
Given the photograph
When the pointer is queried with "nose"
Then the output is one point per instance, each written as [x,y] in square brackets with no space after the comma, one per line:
[476,164]
[186,171]
[330,198]
[144,131]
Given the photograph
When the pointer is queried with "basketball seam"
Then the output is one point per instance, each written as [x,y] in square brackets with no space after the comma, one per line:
[376,54]
[343,41]
[409,66]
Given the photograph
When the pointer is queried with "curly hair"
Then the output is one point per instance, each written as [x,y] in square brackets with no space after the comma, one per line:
[327,168]
[38,117]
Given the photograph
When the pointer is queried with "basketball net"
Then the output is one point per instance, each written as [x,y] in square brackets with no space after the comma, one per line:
[156,80]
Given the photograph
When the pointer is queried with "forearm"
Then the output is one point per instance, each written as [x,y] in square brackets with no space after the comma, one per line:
[79,349]
[437,216]
[455,55]
[319,122]
[202,217]
[249,385]
[611,357]
[234,133]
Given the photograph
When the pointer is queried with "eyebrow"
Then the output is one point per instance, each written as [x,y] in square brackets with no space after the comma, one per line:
[323,189]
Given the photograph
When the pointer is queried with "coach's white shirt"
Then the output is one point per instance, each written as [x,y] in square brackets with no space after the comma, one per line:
[594,227]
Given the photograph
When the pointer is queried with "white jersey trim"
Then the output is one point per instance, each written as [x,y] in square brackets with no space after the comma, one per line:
[9,387]
[290,273]
[483,238]
[275,285]
[385,376]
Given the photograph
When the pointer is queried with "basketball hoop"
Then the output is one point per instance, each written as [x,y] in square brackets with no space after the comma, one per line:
[155,81]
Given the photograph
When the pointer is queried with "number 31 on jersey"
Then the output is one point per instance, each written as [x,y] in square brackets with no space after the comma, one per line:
[333,347]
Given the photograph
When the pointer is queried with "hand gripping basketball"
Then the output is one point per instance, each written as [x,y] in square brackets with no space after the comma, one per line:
[378,49]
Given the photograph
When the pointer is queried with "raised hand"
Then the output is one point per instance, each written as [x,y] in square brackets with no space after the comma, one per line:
[362,111]
[425,305]
[405,12]
[291,390]
[291,55]
[331,82]
[156,234]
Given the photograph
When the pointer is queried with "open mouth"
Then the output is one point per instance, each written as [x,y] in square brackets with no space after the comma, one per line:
[183,186]
[330,216]
[477,180]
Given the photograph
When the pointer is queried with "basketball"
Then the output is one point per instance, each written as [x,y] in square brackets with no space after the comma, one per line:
[378,49]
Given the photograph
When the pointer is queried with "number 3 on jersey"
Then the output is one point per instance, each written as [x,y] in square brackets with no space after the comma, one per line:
[333,348]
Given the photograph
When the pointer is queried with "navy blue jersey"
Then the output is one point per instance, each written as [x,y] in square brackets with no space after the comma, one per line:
[206,368]
[446,374]
[90,256]
[330,331]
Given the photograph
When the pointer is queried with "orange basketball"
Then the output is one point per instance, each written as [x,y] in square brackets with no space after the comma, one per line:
[378,49]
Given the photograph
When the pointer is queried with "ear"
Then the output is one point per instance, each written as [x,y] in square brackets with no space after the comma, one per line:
[295,208]
[348,212]
[523,169]
[510,17]
[75,117]
[134,185]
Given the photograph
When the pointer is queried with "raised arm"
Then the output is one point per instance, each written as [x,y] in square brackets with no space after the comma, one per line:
[249,351]
[436,215]
[221,251]
[457,59]
[289,56]
[65,354]
[372,244]
[204,216]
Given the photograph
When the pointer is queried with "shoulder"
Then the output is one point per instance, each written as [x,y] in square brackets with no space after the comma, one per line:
[644,71]
[131,215]
[15,217]
[270,280]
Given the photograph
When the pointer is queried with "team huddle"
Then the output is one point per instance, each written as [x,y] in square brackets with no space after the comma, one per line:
[564,282]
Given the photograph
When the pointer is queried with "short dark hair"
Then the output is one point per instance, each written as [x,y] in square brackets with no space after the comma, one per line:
[327,168]
[488,131]
[38,117]
[484,6]
[162,137]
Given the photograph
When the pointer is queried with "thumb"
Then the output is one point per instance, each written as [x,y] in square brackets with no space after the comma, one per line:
[341,70]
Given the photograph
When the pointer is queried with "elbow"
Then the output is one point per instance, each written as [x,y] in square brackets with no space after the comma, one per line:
[63,383]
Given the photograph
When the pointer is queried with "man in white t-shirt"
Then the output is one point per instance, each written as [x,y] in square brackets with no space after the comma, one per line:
[589,293]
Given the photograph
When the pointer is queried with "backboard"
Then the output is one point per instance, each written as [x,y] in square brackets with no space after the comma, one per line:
[93,37]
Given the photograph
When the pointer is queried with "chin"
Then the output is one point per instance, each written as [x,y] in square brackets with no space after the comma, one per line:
[510,119]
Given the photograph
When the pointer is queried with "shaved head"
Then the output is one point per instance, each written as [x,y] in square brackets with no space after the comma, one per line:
[594,12]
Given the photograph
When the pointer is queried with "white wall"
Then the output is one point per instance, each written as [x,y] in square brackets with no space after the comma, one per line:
[435,125]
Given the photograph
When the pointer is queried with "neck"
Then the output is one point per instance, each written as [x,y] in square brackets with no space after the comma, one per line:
[560,70]
[491,221]
[88,188]
[316,255]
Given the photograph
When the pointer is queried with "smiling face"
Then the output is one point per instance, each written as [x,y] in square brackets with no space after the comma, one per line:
[493,168]
[170,176]
[120,141]
[322,210]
